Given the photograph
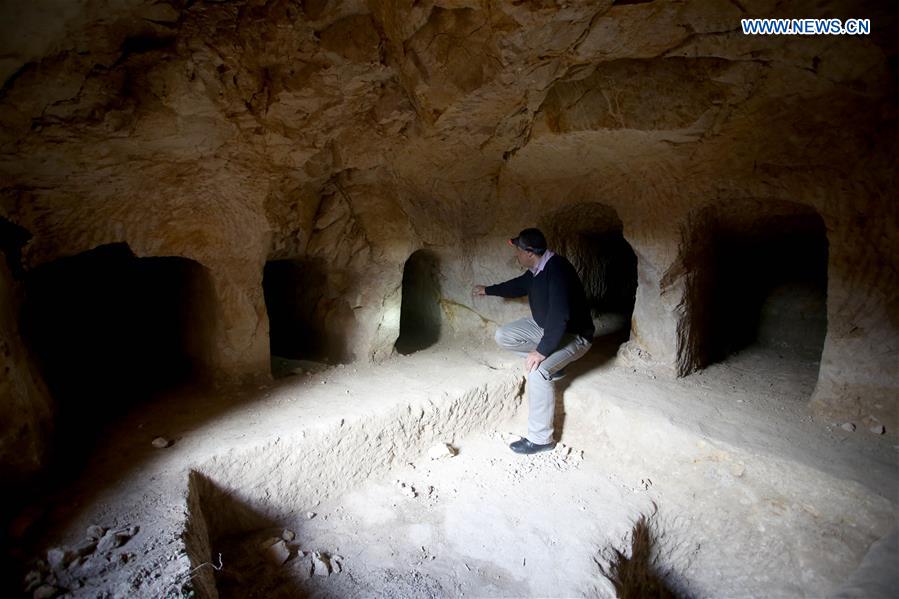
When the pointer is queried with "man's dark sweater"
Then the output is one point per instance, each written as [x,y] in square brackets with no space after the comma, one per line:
[557,299]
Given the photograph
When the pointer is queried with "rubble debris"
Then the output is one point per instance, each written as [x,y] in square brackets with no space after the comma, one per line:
[407,490]
[59,558]
[95,532]
[32,580]
[108,542]
[848,426]
[115,538]
[161,442]
[878,429]
[320,564]
[441,451]
[83,551]
[310,515]
[288,535]
[303,565]
[565,457]
[337,563]
[277,552]
[45,591]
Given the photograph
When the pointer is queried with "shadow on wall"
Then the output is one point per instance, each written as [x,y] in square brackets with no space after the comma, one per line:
[109,329]
[420,314]
[591,236]
[308,320]
[756,275]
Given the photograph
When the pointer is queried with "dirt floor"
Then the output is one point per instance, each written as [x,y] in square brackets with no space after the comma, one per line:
[321,484]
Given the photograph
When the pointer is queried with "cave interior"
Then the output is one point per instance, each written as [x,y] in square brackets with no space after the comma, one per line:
[242,355]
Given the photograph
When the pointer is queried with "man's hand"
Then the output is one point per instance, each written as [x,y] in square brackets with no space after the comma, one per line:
[479,290]
[533,360]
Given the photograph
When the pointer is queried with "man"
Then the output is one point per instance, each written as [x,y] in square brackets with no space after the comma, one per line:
[559,332]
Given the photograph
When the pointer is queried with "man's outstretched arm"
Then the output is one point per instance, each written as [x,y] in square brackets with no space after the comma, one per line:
[517,287]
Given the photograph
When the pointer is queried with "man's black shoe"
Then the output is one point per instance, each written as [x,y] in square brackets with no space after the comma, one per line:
[526,447]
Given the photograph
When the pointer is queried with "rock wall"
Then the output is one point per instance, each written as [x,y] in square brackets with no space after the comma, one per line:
[354,133]
[25,405]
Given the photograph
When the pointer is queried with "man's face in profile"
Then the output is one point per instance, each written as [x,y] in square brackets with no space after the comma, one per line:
[524,258]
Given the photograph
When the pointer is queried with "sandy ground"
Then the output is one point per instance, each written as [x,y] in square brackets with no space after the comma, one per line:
[754,498]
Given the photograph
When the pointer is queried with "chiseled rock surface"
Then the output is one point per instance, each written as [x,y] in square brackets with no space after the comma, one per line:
[353,133]
[25,406]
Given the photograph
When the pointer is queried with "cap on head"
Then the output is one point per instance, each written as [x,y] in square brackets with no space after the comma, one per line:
[530,240]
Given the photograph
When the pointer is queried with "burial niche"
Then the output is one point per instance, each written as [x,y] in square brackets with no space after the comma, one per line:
[292,291]
[420,309]
[591,236]
[310,322]
[109,329]
[757,280]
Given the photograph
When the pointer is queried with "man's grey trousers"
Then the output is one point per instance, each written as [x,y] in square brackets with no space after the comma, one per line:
[521,337]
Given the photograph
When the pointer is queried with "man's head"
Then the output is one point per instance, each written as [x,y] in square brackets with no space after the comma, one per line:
[529,246]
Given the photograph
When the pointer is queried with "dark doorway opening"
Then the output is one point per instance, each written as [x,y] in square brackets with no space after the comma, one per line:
[309,324]
[420,313]
[770,287]
[292,290]
[760,282]
[608,268]
[109,330]
[591,236]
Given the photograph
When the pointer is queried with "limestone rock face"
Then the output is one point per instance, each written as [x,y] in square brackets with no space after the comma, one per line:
[349,134]
[25,404]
